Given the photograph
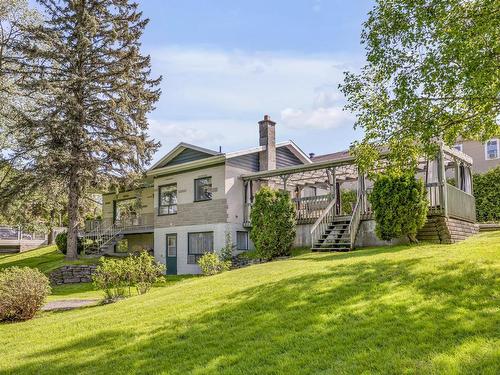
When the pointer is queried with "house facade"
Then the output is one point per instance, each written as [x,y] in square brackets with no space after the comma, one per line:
[486,155]
[194,198]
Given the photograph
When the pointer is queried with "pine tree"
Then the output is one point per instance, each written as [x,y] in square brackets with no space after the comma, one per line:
[89,90]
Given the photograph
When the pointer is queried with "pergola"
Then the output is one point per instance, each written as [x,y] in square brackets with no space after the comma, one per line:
[331,174]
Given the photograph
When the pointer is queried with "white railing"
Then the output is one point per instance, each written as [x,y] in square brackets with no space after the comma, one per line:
[321,225]
[100,237]
[355,220]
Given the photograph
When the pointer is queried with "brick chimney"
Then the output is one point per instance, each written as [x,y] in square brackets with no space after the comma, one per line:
[267,138]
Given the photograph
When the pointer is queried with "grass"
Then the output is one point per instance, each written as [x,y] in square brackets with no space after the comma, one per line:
[425,309]
[46,259]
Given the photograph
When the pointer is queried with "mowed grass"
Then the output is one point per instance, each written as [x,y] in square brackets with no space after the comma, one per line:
[46,259]
[423,309]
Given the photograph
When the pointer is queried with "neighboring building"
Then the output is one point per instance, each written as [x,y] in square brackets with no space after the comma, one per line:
[193,196]
[485,155]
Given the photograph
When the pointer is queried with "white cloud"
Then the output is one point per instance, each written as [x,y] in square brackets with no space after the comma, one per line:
[212,97]
[319,118]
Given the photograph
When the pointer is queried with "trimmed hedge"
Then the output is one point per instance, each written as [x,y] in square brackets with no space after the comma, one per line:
[487,193]
[400,206]
[273,223]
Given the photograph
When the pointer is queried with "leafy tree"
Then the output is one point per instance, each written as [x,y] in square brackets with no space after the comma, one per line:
[399,203]
[273,223]
[432,72]
[89,90]
[487,193]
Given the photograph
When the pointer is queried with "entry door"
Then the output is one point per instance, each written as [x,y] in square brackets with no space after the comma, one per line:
[171,254]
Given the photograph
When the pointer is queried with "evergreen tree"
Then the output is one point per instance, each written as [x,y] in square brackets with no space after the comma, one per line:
[89,90]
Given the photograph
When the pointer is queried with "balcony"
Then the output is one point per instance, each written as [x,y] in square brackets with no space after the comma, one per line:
[143,223]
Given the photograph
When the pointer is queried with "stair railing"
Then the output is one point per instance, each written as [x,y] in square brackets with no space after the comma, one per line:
[355,220]
[321,225]
[102,237]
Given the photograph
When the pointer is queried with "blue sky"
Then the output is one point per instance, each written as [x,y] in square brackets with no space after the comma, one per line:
[227,63]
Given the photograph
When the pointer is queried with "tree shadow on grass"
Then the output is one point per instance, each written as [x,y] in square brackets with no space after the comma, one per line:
[379,317]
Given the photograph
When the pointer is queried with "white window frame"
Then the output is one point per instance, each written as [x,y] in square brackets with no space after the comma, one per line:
[486,149]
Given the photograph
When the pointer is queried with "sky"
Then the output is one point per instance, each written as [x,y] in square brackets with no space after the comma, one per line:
[226,63]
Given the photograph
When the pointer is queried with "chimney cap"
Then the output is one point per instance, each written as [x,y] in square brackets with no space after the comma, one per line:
[311,155]
[267,119]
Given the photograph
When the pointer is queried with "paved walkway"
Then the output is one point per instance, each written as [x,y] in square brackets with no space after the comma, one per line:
[69,304]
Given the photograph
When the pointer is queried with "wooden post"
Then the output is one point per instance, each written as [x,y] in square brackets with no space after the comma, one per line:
[442,181]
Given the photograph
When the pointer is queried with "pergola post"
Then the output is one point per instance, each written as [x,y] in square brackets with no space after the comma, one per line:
[284,178]
[457,174]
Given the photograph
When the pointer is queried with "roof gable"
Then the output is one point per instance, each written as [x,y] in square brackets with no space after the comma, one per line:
[184,153]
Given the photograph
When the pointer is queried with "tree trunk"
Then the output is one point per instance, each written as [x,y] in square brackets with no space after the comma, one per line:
[50,235]
[73,216]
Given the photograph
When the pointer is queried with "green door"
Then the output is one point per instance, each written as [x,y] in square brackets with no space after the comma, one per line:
[171,254]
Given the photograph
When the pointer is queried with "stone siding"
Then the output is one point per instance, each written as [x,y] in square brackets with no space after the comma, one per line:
[72,274]
[204,212]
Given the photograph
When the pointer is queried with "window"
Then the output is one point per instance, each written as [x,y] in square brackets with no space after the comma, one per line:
[126,210]
[241,240]
[167,196]
[199,244]
[491,149]
[171,245]
[203,189]
[459,147]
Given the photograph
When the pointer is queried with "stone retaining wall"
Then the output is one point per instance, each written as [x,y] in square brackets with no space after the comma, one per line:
[72,274]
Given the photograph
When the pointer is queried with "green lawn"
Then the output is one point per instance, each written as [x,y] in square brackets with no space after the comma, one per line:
[426,309]
[45,259]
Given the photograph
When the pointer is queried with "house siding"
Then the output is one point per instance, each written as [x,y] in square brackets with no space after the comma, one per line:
[476,150]
[186,156]
[247,163]
[145,194]
[188,211]
[286,158]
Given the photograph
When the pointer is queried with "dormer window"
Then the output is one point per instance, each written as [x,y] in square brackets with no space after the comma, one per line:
[491,149]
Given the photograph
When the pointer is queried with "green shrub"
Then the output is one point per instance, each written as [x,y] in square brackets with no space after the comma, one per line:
[487,193]
[116,277]
[273,223]
[211,264]
[400,206]
[348,198]
[146,271]
[22,293]
[62,243]
[226,253]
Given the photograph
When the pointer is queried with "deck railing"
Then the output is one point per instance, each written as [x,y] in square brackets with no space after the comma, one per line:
[139,222]
[434,198]
[461,205]
[310,209]
[321,224]
[355,220]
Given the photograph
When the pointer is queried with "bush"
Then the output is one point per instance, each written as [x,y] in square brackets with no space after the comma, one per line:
[211,264]
[400,206]
[273,223]
[226,253]
[118,276]
[348,199]
[62,243]
[487,193]
[22,293]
